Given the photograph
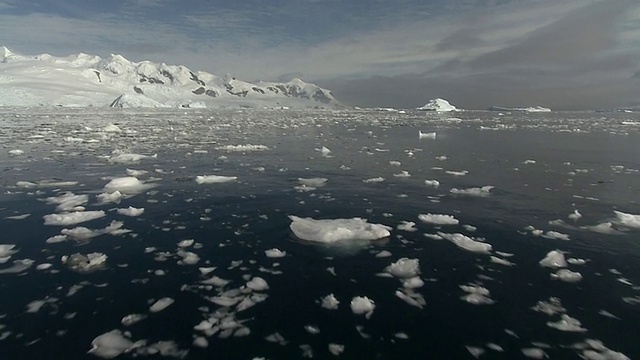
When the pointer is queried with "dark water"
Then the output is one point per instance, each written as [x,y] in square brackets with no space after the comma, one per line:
[577,161]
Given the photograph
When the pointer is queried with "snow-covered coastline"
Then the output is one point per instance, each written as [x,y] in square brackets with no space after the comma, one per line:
[83,80]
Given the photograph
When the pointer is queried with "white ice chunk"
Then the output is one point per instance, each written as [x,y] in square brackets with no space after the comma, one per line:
[113,197]
[500,261]
[131,211]
[336,349]
[128,185]
[18,266]
[467,243]
[603,228]
[404,268]
[362,305]
[575,215]
[258,284]
[383,254]
[330,302]
[188,258]
[85,263]
[110,345]
[475,191]
[136,173]
[68,201]
[438,219]
[119,157]
[313,182]
[331,231]
[275,253]
[628,220]
[374,180]
[161,304]
[476,295]
[16,152]
[131,319]
[555,235]
[432,183]
[200,342]
[214,179]
[551,307]
[567,323]
[72,218]
[534,353]
[554,259]
[567,275]
[429,135]
[243,148]
[6,250]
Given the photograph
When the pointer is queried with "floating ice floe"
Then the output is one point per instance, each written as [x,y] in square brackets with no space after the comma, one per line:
[243,148]
[113,197]
[438,219]
[131,319]
[464,242]
[603,228]
[429,135]
[161,304]
[362,305]
[16,152]
[501,261]
[551,307]
[457,173]
[567,323]
[329,302]
[131,211]
[595,350]
[402,173]
[575,215]
[258,284]
[336,230]
[136,173]
[72,218]
[336,349]
[110,345]
[407,226]
[567,275]
[119,157]
[404,268]
[214,179]
[474,191]
[82,233]
[6,250]
[534,353]
[432,183]
[18,266]
[628,220]
[554,259]
[85,263]
[128,185]
[313,182]
[374,180]
[555,235]
[476,295]
[69,201]
[275,253]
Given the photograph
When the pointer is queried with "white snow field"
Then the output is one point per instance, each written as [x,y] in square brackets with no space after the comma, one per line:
[245,233]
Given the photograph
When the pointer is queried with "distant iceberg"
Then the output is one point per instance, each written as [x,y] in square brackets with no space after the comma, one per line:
[439,105]
[525,109]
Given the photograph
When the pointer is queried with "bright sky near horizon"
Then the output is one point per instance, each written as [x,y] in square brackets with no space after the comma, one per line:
[563,54]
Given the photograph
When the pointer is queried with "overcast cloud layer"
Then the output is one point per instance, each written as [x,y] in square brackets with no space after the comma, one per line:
[564,54]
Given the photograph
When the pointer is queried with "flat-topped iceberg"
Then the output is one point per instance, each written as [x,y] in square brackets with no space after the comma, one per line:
[439,105]
[337,230]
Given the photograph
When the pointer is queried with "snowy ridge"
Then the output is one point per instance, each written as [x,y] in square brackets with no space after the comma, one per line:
[84,80]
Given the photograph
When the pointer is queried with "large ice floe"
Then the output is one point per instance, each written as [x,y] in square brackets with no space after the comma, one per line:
[337,230]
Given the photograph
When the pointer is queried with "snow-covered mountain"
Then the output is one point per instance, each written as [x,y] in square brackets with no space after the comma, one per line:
[439,105]
[89,80]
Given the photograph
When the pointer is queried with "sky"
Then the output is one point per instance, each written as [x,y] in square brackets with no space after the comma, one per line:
[562,54]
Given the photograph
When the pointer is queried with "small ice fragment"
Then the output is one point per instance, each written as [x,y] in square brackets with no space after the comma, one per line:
[188,258]
[362,305]
[475,191]
[110,345]
[575,215]
[72,218]
[475,351]
[413,283]
[555,235]
[257,284]
[206,270]
[161,304]
[467,243]
[438,219]
[200,342]
[383,254]
[275,253]
[554,259]
[330,302]
[402,173]
[551,307]
[186,243]
[404,268]
[336,349]
[85,263]
[567,323]
[500,261]
[131,319]
[331,231]
[131,211]
[136,173]
[432,183]
[16,152]
[128,185]
[313,330]
[476,295]
[313,182]
[374,180]
[214,179]
[534,353]
[325,151]
[567,275]
[44,266]
[628,220]
[429,135]
[395,163]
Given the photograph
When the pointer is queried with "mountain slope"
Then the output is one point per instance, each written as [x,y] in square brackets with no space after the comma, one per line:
[89,80]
